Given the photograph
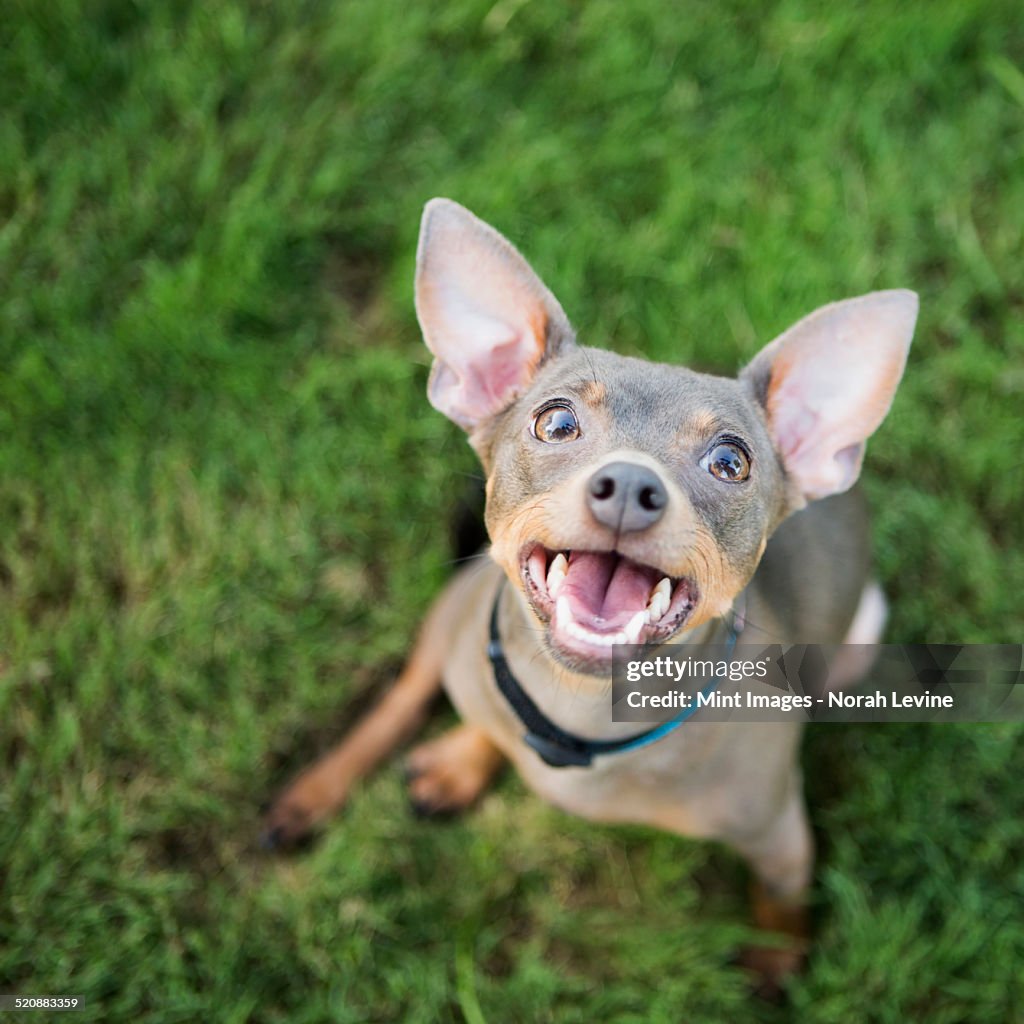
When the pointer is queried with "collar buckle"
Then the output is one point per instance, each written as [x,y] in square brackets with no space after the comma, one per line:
[555,755]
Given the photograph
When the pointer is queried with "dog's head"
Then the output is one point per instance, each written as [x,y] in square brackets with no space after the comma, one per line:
[630,500]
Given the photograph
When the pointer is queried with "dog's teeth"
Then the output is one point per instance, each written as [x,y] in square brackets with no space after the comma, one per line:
[556,574]
[563,613]
[633,627]
[576,630]
[597,639]
[661,598]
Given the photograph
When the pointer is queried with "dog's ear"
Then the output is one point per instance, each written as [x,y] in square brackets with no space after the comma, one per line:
[827,384]
[486,316]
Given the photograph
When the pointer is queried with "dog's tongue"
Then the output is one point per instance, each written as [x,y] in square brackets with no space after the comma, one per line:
[605,589]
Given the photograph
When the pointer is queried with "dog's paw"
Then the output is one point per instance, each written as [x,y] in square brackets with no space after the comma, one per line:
[771,967]
[438,792]
[288,824]
[449,774]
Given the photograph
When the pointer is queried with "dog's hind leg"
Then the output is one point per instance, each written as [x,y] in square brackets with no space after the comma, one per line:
[324,788]
[853,660]
[781,857]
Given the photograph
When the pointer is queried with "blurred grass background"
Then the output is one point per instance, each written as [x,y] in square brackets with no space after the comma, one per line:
[224,498]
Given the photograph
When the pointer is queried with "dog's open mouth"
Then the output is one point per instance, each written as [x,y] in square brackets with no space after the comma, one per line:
[594,599]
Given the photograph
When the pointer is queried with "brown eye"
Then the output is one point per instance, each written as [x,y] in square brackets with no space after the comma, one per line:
[556,424]
[728,462]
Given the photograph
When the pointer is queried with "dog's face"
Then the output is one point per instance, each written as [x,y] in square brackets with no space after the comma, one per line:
[630,500]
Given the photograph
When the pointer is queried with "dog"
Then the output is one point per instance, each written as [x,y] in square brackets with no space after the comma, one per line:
[631,502]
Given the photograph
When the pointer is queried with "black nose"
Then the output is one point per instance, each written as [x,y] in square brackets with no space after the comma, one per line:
[626,497]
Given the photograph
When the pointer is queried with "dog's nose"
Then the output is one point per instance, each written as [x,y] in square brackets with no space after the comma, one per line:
[626,497]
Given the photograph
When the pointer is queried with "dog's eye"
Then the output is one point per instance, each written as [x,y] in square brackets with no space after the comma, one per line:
[556,424]
[728,462]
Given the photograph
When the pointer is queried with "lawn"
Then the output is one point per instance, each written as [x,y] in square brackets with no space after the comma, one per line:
[225,501]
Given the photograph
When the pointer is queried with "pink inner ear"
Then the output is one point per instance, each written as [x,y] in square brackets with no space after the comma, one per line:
[485,315]
[832,380]
[494,382]
[823,411]
[482,362]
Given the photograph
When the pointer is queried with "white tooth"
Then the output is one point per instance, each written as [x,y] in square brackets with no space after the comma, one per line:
[661,598]
[597,639]
[556,574]
[580,632]
[633,627]
[563,613]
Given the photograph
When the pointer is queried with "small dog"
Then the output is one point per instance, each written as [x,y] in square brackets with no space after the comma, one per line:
[631,502]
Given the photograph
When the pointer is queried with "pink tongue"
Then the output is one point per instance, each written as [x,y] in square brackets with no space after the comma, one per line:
[606,589]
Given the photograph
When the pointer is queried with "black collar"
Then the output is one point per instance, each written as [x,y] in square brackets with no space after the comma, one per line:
[555,746]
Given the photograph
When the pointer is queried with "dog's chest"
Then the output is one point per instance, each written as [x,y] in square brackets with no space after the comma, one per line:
[650,786]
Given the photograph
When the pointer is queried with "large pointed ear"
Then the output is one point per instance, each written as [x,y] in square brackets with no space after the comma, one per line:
[827,384]
[486,316]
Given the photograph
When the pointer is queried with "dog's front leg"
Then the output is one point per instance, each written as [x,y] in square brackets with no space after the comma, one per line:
[324,787]
[450,773]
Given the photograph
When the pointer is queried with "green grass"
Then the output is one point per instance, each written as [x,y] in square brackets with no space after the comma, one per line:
[223,495]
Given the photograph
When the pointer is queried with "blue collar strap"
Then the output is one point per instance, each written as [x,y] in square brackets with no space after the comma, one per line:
[555,746]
